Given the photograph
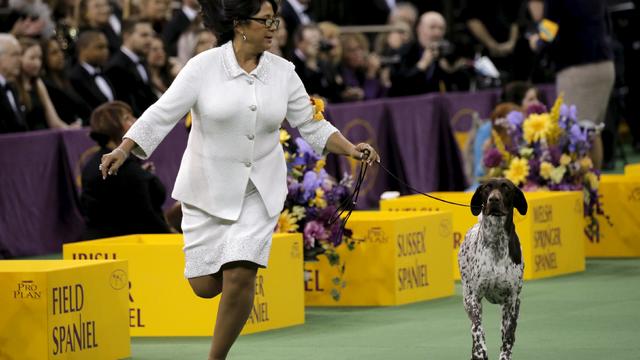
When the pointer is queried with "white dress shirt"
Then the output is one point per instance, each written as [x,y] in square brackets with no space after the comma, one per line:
[9,95]
[300,11]
[100,81]
[235,134]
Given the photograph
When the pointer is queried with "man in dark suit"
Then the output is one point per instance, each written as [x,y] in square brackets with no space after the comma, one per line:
[294,13]
[86,76]
[180,21]
[127,70]
[11,113]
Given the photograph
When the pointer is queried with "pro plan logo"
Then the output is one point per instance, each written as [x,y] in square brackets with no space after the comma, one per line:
[118,279]
[27,289]
[635,194]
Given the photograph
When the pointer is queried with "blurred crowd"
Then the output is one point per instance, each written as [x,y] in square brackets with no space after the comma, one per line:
[71,56]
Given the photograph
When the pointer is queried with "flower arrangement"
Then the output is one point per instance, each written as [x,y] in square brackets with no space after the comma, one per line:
[312,202]
[546,150]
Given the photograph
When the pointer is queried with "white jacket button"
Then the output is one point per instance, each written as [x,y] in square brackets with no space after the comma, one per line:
[253,107]
[250,137]
[250,81]
[247,163]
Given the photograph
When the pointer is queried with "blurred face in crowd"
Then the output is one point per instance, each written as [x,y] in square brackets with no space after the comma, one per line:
[155,9]
[404,13]
[431,29]
[530,98]
[259,36]
[205,41]
[97,53]
[354,53]
[97,12]
[157,56]
[331,36]
[139,41]
[400,36]
[281,33]
[32,61]
[10,56]
[55,56]
[310,42]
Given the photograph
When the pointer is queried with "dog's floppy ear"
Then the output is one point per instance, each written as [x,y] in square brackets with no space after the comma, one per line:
[476,201]
[519,201]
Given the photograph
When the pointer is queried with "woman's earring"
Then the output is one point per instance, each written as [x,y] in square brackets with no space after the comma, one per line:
[244,37]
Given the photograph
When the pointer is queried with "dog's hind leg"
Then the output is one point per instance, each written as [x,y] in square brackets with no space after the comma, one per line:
[510,311]
[473,307]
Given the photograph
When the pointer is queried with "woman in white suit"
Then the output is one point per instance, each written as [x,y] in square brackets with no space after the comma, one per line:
[232,179]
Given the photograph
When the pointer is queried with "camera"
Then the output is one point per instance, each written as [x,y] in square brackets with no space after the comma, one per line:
[325,46]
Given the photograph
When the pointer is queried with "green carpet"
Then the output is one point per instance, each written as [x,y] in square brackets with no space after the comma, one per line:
[592,315]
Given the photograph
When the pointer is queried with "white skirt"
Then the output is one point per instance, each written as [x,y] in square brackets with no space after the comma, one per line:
[210,242]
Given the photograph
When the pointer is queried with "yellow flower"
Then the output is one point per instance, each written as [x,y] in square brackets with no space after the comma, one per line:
[319,165]
[557,174]
[518,171]
[536,127]
[526,152]
[286,223]
[298,212]
[586,163]
[592,180]
[500,145]
[565,159]
[318,108]
[555,110]
[545,170]
[284,136]
[555,131]
[319,200]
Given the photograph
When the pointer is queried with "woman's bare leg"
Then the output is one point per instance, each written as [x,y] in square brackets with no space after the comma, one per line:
[207,286]
[238,288]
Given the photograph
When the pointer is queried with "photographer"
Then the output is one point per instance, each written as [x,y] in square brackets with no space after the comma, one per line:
[423,67]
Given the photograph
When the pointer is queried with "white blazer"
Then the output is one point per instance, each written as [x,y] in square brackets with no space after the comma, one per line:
[235,131]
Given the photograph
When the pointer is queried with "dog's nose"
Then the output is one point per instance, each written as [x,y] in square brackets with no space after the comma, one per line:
[493,199]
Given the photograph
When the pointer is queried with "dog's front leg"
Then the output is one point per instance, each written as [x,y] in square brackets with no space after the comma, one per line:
[510,311]
[473,306]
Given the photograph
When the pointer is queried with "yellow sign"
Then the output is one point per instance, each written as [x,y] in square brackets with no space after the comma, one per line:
[550,234]
[399,258]
[162,302]
[632,169]
[58,309]
[620,235]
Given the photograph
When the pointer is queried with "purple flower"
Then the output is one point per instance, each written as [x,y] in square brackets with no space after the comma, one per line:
[313,232]
[536,108]
[515,118]
[555,153]
[492,158]
[577,138]
[305,154]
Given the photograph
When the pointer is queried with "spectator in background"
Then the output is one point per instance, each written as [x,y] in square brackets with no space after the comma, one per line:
[96,15]
[181,21]
[29,18]
[32,93]
[330,43]
[576,32]
[423,68]
[67,102]
[87,76]
[12,117]
[127,70]
[494,25]
[205,40]
[130,203]
[360,70]
[156,12]
[521,93]
[162,70]
[390,44]
[279,42]
[317,75]
[405,12]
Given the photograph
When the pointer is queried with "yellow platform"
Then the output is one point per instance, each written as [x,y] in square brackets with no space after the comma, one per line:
[399,258]
[621,202]
[162,302]
[57,309]
[551,234]
[632,169]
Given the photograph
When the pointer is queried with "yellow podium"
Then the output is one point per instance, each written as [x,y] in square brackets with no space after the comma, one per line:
[57,309]
[632,169]
[551,234]
[621,202]
[399,258]
[162,302]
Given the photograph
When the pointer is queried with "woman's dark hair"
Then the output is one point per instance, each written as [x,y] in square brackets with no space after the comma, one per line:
[219,15]
[106,122]
[516,91]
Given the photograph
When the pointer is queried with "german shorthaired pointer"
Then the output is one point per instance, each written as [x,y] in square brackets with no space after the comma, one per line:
[490,262]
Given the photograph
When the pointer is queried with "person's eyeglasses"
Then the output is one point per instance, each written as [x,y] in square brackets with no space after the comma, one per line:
[268,23]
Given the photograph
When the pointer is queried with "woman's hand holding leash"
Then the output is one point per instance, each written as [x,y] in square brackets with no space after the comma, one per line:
[365,152]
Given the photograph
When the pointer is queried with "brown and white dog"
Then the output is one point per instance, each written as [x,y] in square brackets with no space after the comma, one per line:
[490,262]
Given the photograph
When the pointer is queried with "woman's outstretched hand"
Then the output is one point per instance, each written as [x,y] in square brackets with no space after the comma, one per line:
[112,161]
[365,152]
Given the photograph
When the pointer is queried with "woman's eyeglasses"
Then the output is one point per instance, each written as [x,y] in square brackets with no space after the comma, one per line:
[268,23]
